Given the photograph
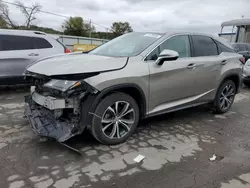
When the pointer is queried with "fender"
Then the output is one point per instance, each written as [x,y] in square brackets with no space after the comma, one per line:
[90,102]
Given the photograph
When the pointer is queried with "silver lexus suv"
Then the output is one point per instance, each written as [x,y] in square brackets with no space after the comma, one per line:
[134,76]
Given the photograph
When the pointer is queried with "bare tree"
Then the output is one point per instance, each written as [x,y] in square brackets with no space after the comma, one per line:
[5,15]
[29,12]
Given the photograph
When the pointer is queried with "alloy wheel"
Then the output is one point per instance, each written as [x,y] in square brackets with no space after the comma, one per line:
[117,120]
[227,96]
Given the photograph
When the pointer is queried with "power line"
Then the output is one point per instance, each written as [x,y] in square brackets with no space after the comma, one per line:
[15,4]
[54,14]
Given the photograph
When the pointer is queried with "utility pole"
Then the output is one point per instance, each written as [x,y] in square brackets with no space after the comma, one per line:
[107,30]
[90,30]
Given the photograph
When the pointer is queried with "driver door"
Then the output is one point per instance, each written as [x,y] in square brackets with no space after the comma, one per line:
[173,81]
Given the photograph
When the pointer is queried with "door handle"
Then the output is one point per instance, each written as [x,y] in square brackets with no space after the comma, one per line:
[33,54]
[191,66]
[224,62]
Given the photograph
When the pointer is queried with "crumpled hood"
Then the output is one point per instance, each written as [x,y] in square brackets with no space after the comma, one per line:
[76,63]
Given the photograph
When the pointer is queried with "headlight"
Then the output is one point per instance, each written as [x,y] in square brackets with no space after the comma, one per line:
[62,85]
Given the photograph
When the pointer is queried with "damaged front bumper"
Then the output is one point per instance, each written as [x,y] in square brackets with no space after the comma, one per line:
[44,122]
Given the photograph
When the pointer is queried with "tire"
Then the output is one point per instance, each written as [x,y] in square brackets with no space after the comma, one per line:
[224,91]
[115,110]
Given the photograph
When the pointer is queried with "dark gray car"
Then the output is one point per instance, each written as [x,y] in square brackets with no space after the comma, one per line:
[134,76]
[243,49]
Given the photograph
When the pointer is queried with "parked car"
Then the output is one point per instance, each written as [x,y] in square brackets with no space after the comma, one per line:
[243,49]
[246,73]
[137,75]
[20,48]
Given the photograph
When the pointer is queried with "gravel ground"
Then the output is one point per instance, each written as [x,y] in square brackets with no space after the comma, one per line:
[176,146]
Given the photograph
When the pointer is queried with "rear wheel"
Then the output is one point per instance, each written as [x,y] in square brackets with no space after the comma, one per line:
[116,118]
[225,97]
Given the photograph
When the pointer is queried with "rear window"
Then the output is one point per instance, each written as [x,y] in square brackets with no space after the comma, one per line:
[239,47]
[42,43]
[204,46]
[9,42]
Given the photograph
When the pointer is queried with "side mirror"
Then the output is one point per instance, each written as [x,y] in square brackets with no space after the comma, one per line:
[167,55]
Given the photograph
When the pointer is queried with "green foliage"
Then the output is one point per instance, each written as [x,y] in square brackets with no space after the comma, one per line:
[3,23]
[103,35]
[120,28]
[77,27]
[37,28]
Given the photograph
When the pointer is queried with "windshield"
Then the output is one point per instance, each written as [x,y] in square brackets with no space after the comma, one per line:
[127,45]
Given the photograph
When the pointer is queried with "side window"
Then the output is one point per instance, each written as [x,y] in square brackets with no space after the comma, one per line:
[204,46]
[223,48]
[42,43]
[11,42]
[179,44]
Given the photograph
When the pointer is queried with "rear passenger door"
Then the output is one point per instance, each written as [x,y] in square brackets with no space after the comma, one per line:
[16,53]
[208,64]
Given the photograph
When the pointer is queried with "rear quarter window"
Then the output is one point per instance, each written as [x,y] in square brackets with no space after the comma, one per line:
[41,43]
[203,46]
[12,42]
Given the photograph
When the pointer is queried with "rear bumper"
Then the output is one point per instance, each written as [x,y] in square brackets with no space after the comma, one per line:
[43,122]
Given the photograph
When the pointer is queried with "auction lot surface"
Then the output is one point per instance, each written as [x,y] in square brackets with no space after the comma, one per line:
[176,146]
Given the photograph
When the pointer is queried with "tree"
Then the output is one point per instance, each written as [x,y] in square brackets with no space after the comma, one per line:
[29,12]
[119,28]
[102,35]
[5,15]
[3,23]
[77,27]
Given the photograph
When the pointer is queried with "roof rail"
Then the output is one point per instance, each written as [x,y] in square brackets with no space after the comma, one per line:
[39,33]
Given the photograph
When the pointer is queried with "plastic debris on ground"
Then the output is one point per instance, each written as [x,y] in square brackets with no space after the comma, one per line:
[213,158]
[139,158]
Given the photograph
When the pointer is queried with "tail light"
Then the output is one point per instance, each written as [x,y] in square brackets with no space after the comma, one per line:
[243,60]
[67,50]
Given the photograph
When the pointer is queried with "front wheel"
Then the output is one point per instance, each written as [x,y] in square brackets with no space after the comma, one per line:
[115,119]
[225,97]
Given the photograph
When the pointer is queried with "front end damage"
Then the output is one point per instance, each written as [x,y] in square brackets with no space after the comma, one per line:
[57,112]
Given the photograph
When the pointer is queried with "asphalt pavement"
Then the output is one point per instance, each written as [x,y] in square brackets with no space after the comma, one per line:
[176,146]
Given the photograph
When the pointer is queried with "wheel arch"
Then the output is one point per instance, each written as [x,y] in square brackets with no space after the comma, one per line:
[91,101]
[235,78]
[129,88]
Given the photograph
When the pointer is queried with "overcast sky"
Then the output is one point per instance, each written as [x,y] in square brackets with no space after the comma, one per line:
[143,15]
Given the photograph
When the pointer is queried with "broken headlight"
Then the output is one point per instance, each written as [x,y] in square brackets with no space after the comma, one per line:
[62,85]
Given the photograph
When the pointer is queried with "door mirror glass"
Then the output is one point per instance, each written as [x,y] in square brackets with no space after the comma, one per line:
[167,55]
